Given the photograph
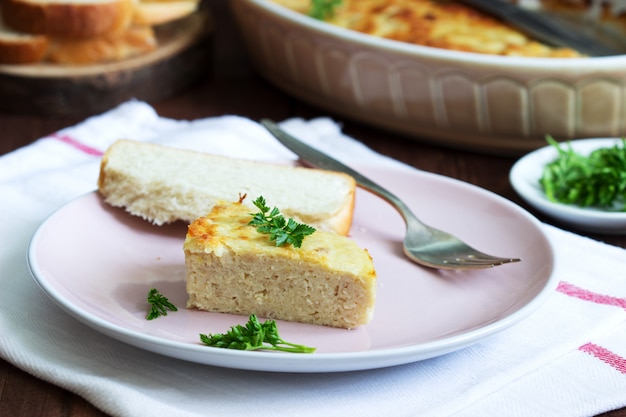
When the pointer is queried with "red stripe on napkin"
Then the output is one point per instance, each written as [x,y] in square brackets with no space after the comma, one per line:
[612,359]
[76,144]
[577,292]
[605,356]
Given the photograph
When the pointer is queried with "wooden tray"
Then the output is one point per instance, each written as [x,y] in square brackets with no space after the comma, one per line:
[182,58]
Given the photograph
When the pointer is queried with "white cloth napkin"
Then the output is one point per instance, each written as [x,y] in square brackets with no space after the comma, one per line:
[566,359]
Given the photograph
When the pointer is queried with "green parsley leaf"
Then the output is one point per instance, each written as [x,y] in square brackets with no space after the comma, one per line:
[159,305]
[271,222]
[323,9]
[597,180]
[253,336]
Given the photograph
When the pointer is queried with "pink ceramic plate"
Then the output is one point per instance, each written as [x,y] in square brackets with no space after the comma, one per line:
[98,263]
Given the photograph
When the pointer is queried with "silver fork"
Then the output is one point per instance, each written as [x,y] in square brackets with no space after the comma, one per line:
[423,244]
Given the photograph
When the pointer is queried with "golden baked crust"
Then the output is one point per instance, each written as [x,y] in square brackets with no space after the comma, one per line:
[435,23]
[231,268]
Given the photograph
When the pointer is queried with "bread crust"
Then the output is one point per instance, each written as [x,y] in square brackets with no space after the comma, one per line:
[113,47]
[164,199]
[23,49]
[68,19]
[83,32]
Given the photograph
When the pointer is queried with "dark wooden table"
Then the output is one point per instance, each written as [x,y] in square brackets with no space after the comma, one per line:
[232,87]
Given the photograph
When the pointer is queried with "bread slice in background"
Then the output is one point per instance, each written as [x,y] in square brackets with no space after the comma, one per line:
[68,18]
[83,32]
[20,48]
[163,185]
[134,41]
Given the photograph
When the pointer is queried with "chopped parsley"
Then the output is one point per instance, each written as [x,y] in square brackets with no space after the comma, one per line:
[597,180]
[253,336]
[159,305]
[270,221]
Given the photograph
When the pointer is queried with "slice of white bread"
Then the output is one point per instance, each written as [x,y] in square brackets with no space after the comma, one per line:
[231,268]
[163,185]
[134,41]
[68,18]
[63,31]
[20,48]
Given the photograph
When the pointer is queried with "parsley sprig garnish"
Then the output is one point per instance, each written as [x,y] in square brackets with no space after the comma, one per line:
[159,304]
[280,230]
[597,180]
[323,9]
[253,336]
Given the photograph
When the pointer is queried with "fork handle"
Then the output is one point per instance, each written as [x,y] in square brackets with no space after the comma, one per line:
[315,158]
[361,180]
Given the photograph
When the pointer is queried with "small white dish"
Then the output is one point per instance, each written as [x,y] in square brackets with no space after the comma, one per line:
[527,171]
